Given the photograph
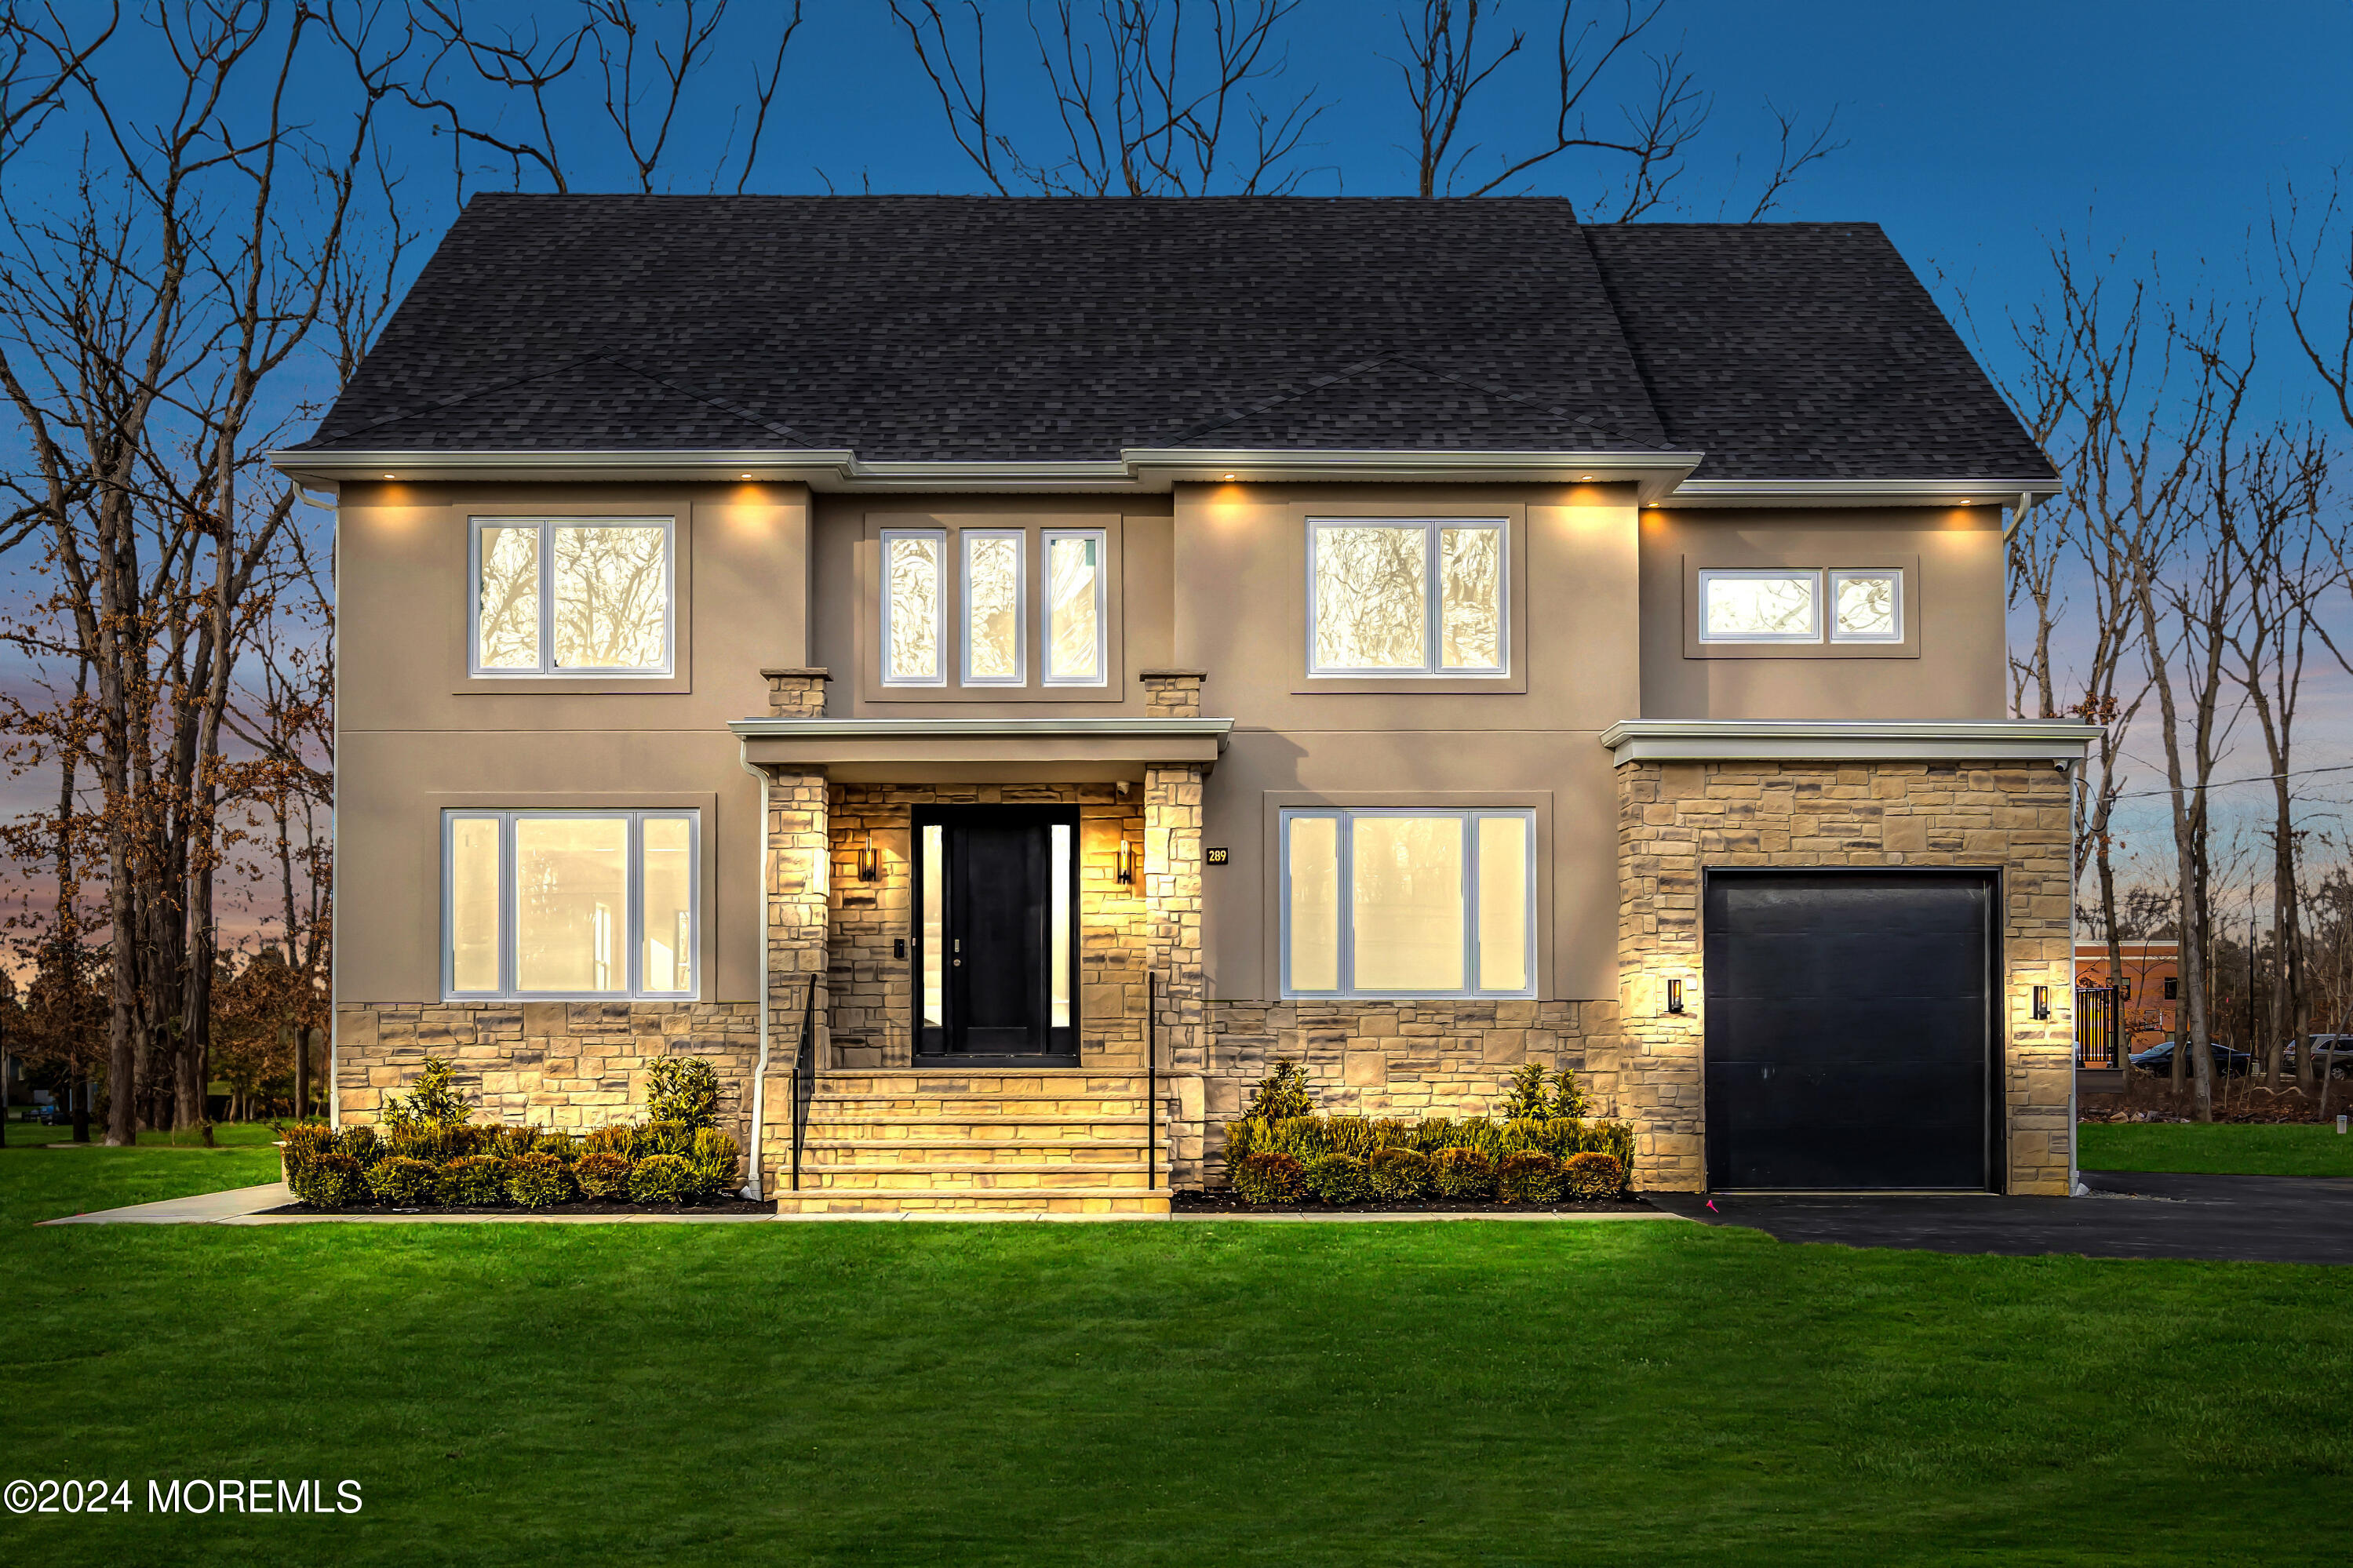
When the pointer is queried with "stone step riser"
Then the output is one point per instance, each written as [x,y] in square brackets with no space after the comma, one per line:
[953,1205]
[867,1178]
[936,1108]
[1026,1157]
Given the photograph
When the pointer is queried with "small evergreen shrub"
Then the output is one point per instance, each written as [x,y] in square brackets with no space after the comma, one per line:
[1282,1094]
[664,1138]
[1269,1178]
[1241,1141]
[436,1145]
[402,1183]
[514,1142]
[615,1139]
[1349,1136]
[602,1174]
[360,1144]
[472,1181]
[1615,1139]
[684,1090]
[433,1101]
[538,1181]
[302,1145]
[1461,1173]
[1593,1174]
[1398,1175]
[1338,1179]
[661,1179]
[1568,1099]
[1527,1098]
[1393,1132]
[714,1156]
[1530,1176]
[1303,1138]
[333,1181]
[1432,1133]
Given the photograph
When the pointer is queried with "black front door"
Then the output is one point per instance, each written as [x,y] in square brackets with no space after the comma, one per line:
[1849,1028]
[995,931]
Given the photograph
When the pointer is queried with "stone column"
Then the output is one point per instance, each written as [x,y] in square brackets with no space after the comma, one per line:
[1173,693]
[1659,1075]
[1172,901]
[796,694]
[798,919]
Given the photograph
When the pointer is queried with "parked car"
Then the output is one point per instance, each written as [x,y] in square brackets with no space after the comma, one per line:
[2343,1064]
[2159,1059]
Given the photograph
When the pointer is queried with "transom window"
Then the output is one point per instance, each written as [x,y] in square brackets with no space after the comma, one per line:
[995,590]
[554,597]
[1782,606]
[1409,903]
[570,904]
[1417,598]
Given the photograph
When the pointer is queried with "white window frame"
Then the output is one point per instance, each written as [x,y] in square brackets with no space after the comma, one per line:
[1711,575]
[1346,817]
[965,537]
[1046,538]
[1433,605]
[548,668]
[1829,604]
[951,573]
[508,924]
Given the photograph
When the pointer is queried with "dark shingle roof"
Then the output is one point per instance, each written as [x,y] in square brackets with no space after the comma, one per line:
[996,328]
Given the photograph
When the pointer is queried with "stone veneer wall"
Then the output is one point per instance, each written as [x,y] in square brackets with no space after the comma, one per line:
[1676,819]
[871,992]
[550,1064]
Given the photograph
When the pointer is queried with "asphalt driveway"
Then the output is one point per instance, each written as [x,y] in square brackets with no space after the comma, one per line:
[2264,1219]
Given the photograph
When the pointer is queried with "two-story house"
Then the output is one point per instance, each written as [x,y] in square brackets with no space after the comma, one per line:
[1061,656]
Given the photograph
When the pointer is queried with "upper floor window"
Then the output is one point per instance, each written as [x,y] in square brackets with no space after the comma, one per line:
[557,597]
[562,904]
[1409,903]
[1780,605]
[992,594]
[1414,597]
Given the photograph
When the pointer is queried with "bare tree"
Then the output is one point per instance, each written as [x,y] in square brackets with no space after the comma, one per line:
[1143,105]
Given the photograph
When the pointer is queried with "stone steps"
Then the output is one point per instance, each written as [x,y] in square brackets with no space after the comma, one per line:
[1029,1201]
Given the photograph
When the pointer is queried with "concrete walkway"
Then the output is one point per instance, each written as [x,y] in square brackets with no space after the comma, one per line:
[2263,1219]
[205,1209]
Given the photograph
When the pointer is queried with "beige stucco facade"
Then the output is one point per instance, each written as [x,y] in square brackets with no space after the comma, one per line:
[776,594]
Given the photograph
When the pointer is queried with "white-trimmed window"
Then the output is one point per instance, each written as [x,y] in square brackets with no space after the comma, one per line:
[570,596]
[1408,902]
[1780,604]
[914,608]
[994,606]
[570,905]
[1076,583]
[1390,597]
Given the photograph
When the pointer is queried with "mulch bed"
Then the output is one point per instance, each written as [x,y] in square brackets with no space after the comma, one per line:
[1226,1203]
[578,1206]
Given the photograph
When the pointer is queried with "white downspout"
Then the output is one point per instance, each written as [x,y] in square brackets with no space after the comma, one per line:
[335,818]
[759,1073]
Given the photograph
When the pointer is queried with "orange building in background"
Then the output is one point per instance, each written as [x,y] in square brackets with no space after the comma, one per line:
[2147,986]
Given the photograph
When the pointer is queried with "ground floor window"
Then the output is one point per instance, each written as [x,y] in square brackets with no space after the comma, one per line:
[1409,903]
[561,905]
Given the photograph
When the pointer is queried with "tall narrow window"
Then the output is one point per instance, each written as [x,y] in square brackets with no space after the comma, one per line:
[914,609]
[1408,903]
[934,931]
[1406,598]
[570,904]
[1074,607]
[1058,870]
[992,608]
[572,598]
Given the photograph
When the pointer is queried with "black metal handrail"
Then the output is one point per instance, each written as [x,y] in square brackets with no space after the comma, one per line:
[803,1078]
[1151,1076]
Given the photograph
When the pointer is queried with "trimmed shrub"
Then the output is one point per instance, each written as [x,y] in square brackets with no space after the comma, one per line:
[1303,1138]
[1241,1141]
[1349,1135]
[1593,1174]
[1530,1176]
[1527,1098]
[402,1183]
[1432,1133]
[1340,1179]
[360,1144]
[602,1174]
[512,1142]
[1568,1099]
[1615,1139]
[333,1181]
[661,1179]
[615,1139]
[472,1181]
[435,1145]
[1461,1173]
[1398,1175]
[684,1090]
[1393,1132]
[304,1144]
[1471,1132]
[1281,1095]
[538,1181]
[713,1157]
[1269,1178]
[664,1138]
[561,1145]
[433,1101]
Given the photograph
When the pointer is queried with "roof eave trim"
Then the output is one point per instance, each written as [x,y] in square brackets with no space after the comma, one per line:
[1856,740]
[1136,470]
[1732,492]
[992,728]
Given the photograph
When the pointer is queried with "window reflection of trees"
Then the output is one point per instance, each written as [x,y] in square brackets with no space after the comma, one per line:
[1760,607]
[1370,598]
[992,590]
[1070,593]
[612,598]
[507,599]
[914,577]
[1469,565]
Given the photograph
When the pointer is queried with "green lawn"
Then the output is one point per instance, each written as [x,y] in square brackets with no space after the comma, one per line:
[225,1135]
[1180,1394]
[2250,1149]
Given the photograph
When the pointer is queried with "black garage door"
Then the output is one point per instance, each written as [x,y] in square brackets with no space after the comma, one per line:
[1849,1028]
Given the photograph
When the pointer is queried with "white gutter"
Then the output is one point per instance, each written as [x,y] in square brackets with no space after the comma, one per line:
[1856,740]
[760,1072]
[942,729]
[1858,492]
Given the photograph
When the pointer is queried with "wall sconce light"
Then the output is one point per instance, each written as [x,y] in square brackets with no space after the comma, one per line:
[1674,995]
[869,864]
[1126,862]
[2042,1001]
